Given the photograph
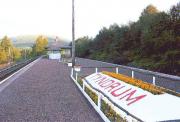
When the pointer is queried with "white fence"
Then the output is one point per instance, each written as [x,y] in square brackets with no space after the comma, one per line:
[171,86]
[159,79]
[101,97]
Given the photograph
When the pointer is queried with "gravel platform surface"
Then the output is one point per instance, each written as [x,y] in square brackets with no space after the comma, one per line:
[45,93]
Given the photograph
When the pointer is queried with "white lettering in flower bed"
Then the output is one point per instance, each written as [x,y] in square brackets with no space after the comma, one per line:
[140,103]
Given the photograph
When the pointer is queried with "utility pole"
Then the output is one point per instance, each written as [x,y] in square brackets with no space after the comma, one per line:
[73,35]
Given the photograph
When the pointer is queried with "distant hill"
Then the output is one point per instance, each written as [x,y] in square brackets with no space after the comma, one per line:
[29,40]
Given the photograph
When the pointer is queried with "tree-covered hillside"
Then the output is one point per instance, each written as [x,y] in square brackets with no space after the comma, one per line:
[153,42]
[27,41]
[10,54]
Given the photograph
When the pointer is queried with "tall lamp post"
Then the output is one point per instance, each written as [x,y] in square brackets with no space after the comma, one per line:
[73,35]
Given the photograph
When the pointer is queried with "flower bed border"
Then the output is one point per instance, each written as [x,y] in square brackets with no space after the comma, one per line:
[106,108]
[156,90]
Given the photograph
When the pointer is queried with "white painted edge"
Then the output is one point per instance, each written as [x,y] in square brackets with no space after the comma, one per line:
[27,66]
[91,102]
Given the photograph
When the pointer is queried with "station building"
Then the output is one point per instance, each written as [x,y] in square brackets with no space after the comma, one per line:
[58,51]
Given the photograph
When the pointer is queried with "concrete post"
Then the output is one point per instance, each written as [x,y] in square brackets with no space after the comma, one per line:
[99,101]
[154,80]
[72,71]
[132,74]
[76,76]
[83,86]
[73,34]
[117,70]
[96,70]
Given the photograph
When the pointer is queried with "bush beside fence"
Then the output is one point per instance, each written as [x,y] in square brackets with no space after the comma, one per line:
[106,108]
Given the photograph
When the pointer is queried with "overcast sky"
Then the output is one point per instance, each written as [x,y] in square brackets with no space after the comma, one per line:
[53,17]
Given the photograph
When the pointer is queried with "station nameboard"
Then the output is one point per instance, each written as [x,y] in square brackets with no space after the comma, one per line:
[140,103]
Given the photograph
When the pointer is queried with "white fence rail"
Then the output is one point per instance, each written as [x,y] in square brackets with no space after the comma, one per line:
[123,114]
[156,74]
[159,79]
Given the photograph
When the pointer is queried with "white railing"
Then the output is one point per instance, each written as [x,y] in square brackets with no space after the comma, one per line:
[156,78]
[143,71]
[101,97]
[153,79]
[96,69]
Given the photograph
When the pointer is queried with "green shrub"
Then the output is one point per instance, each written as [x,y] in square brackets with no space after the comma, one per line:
[92,95]
[105,107]
[110,113]
[79,80]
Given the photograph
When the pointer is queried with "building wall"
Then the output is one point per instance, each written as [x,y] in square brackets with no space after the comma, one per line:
[66,53]
[54,55]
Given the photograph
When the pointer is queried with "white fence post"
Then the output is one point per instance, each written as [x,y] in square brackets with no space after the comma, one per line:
[83,86]
[96,70]
[72,71]
[154,80]
[99,101]
[132,74]
[76,76]
[117,70]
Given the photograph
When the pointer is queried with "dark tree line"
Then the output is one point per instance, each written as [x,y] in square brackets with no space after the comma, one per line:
[153,42]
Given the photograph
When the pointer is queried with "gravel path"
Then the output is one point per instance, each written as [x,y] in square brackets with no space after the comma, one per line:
[45,93]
